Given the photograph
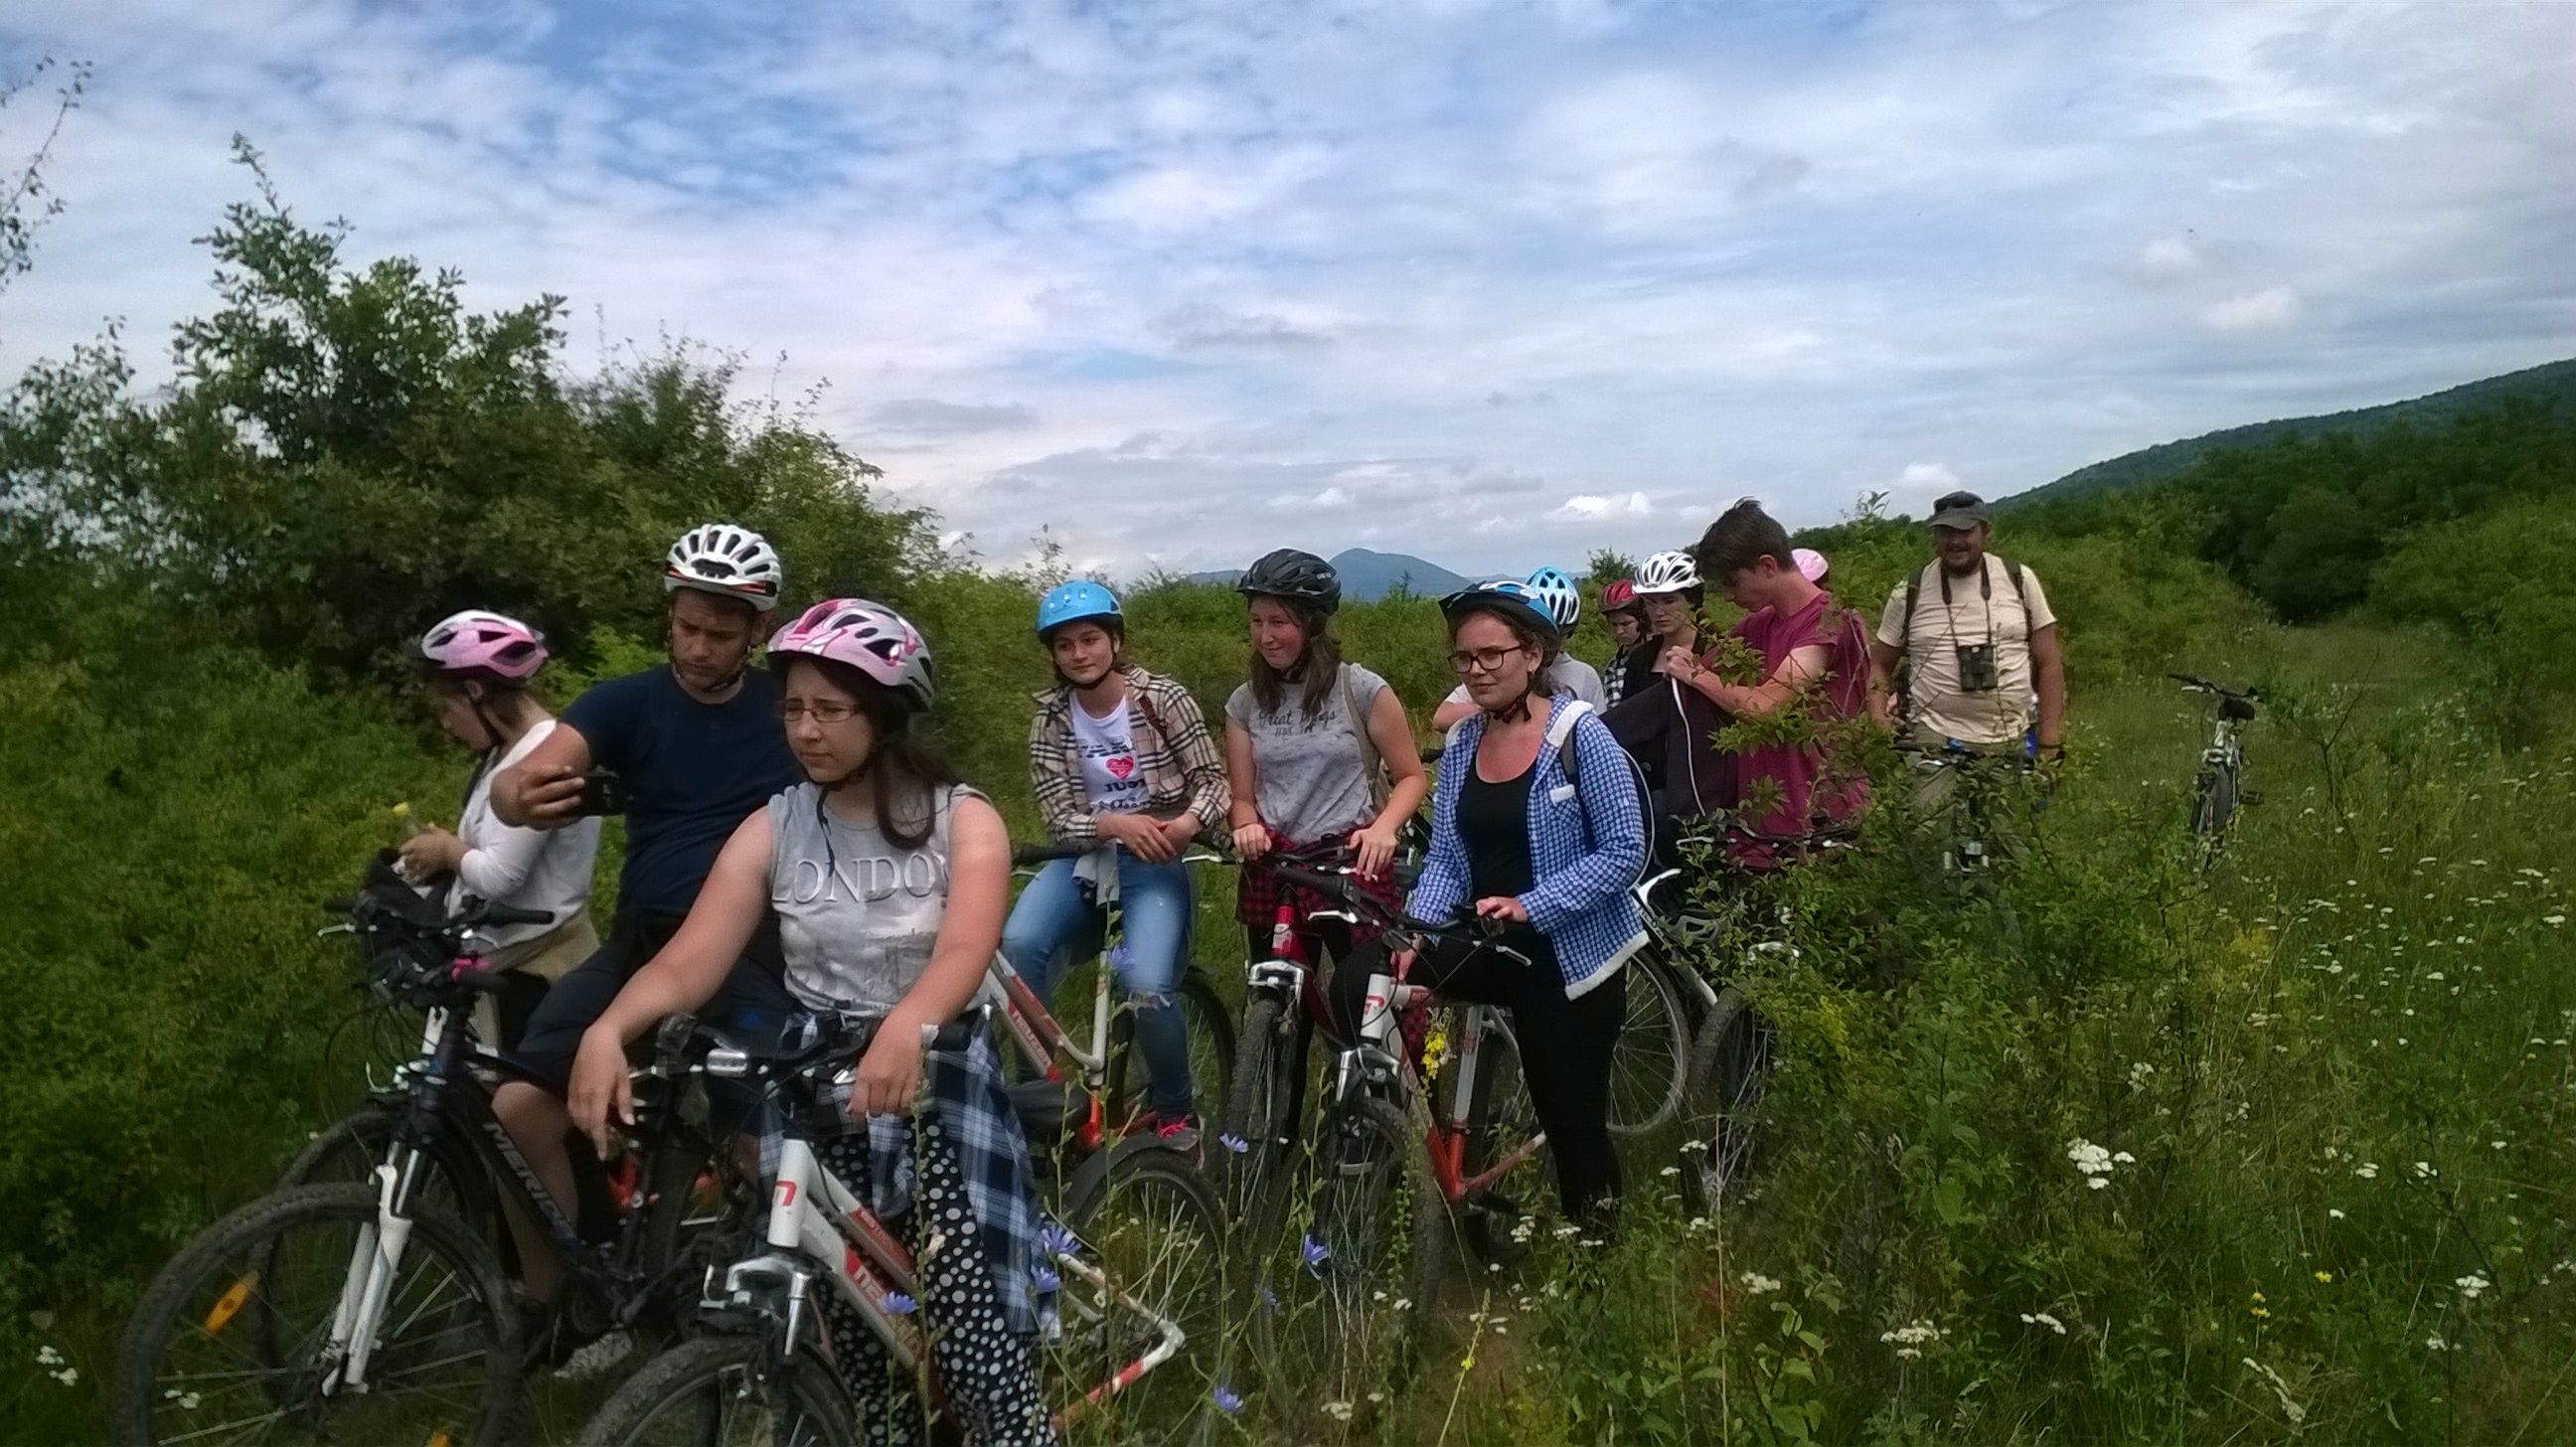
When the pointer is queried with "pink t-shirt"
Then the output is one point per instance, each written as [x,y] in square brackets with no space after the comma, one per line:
[1811,789]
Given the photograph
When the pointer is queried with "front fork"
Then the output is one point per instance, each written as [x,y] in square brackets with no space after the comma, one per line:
[367,1287]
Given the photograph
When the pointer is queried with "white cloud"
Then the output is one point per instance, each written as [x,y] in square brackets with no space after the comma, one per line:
[2274,306]
[1587,507]
[2169,257]
[1927,477]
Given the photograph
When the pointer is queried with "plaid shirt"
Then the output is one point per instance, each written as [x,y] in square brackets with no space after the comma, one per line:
[1257,897]
[966,1088]
[1183,770]
[1586,849]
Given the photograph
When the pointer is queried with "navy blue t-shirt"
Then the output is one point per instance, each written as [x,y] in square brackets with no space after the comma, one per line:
[693,772]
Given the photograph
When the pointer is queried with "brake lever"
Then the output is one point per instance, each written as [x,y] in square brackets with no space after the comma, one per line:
[328,930]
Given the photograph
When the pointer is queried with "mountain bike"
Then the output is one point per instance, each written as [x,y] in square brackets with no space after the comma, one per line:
[369,1311]
[1979,791]
[1097,1102]
[1414,1162]
[2219,787]
[760,1370]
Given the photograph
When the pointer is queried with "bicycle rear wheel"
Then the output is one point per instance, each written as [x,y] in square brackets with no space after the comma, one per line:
[1150,1225]
[231,1343]
[723,1391]
[1647,1064]
[1727,1066]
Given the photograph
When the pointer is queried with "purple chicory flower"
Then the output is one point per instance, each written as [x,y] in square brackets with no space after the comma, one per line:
[1058,1240]
[899,1304]
[1233,1142]
[1226,1400]
[1317,1255]
[1044,1278]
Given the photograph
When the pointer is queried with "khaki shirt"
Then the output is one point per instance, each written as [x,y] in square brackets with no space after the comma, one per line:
[1972,616]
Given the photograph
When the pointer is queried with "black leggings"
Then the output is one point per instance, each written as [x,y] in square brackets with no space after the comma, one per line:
[1565,1045]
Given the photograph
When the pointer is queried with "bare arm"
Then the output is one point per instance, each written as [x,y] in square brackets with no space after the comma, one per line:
[1409,783]
[543,790]
[1445,717]
[1796,674]
[1882,686]
[2048,661]
[1243,785]
[979,892]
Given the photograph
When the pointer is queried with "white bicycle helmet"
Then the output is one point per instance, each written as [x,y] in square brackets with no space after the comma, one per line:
[729,561]
[1667,573]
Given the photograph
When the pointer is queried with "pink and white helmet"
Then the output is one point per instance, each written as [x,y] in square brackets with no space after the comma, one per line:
[870,637]
[1811,564]
[483,647]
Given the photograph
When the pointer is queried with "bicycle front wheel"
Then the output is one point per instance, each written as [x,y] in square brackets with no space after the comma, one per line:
[451,1181]
[233,1340]
[1647,1064]
[1727,1066]
[1151,1279]
[1258,1135]
[724,1391]
[1339,1303]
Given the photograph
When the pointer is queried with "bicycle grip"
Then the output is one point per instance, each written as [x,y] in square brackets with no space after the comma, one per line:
[1028,854]
[1334,886]
[955,1035]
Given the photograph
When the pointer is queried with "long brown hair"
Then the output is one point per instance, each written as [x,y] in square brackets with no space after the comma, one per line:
[908,769]
[1317,674]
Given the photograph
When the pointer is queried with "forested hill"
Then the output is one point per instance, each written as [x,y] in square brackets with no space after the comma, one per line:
[2552,384]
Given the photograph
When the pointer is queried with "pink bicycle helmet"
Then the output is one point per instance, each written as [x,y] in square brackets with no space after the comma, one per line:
[1811,564]
[483,647]
[870,637]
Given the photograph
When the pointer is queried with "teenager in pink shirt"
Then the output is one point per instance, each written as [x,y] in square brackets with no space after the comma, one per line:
[1815,658]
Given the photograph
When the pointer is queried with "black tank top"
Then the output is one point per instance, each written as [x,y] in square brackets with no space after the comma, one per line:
[1493,820]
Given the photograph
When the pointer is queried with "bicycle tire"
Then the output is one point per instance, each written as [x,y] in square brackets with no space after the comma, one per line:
[1260,1109]
[1210,1032]
[1338,1325]
[690,1381]
[243,1248]
[1500,1118]
[1162,1254]
[1727,1062]
[348,1150]
[680,1242]
[1649,1062]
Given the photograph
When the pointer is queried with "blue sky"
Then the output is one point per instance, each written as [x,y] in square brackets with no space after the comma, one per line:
[1492,283]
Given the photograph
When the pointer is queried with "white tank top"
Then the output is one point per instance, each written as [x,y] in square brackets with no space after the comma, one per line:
[858,915]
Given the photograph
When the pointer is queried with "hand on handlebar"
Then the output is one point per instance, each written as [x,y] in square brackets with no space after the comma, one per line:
[1251,841]
[1375,848]
[890,1073]
[600,1089]
[1503,907]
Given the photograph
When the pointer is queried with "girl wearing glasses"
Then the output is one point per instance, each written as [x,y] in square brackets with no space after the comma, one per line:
[1515,838]
[887,878]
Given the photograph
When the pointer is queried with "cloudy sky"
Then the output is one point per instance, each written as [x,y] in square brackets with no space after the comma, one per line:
[1492,283]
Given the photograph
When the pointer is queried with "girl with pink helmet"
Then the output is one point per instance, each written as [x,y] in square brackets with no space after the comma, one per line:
[888,879]
[478,666]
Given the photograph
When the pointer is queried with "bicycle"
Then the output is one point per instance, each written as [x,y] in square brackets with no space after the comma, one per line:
[305,1308]
[2219,787]
[1446,1184]
[1103,1103]
[1969,825]
[758,1371]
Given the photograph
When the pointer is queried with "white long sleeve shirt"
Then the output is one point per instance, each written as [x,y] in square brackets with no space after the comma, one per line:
[547,869]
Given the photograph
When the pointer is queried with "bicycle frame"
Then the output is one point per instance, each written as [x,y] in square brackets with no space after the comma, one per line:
[814,1218]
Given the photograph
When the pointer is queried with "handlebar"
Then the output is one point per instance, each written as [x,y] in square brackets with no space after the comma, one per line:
[2197,684]
[1026,856]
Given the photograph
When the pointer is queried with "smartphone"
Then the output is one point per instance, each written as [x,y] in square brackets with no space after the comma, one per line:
[602,793]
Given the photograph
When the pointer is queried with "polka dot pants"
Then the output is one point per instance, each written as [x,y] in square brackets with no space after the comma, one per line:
[988,1372]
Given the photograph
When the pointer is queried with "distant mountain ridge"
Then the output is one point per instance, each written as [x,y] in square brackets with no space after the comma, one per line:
[1368,576]
[2552,383]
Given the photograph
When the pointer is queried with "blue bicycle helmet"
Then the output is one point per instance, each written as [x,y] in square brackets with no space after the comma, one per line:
[1075,602]
[1508,596]
[1557,592]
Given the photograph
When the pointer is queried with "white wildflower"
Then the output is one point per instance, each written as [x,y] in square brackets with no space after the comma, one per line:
[2367,1170]
[2042,1318]
[2472,1285]
[1338,1411]
[2334,1213]
[2435,1343]
[2140,1074]
[1759,1284]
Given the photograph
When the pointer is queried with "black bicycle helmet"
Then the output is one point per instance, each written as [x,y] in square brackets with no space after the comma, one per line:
[1294,577]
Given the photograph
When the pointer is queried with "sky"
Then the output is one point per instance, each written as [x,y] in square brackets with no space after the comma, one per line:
[1490,283]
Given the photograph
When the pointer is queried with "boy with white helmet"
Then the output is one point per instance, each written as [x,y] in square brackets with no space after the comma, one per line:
[695,748]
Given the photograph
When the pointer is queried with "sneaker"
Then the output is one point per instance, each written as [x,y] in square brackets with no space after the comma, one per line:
[1179,1132]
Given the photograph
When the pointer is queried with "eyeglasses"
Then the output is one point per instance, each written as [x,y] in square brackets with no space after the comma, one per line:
[823,713]
[1480,660]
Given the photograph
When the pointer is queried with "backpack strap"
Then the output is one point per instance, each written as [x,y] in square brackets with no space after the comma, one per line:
[1372,767]
[2021,590]
[1560,736]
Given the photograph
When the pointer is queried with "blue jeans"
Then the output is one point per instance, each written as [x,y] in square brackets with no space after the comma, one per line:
[1056,914]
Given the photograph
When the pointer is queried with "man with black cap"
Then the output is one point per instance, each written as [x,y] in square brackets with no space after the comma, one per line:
[1981,646]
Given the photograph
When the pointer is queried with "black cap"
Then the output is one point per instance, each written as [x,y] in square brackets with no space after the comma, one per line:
[1959,510]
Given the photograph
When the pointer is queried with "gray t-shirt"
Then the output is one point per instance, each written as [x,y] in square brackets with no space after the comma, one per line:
[1312,787]
[1568,675]
[857,915]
